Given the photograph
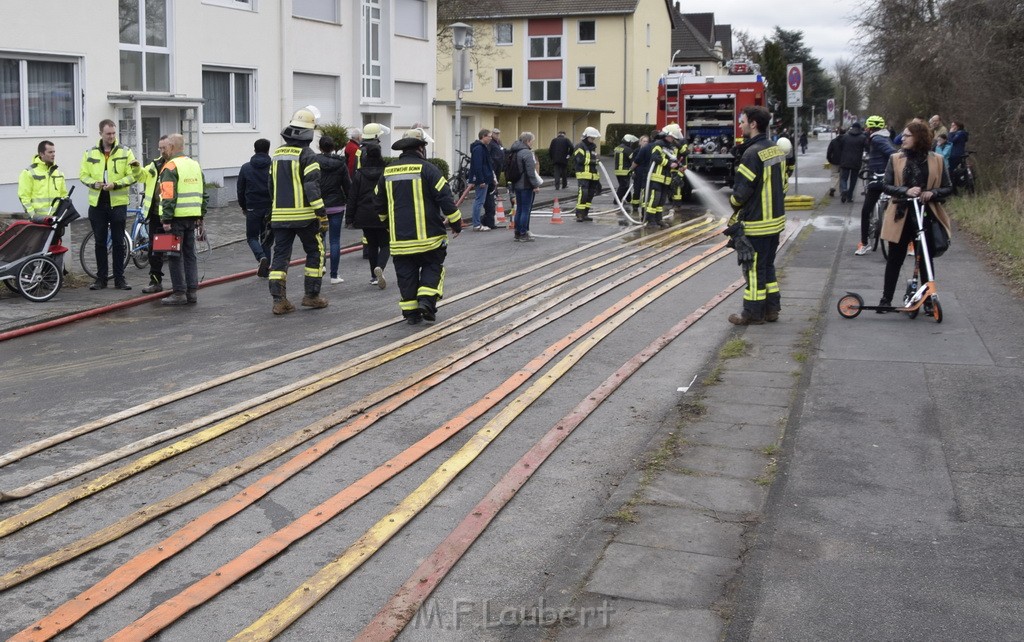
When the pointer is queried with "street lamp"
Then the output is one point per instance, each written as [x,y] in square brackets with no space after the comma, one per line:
[461,40]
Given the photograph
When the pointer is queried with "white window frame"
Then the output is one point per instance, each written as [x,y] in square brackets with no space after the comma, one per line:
[145,48]
[547,40]
[579,25]
[547,91]
[372,65]
[335,21]
[497,77]
[23,94]
[242,5]
[579,78]
[232,124]
[511,34]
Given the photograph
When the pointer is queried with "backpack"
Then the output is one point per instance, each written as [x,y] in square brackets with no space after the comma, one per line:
[513,168]
[834,152]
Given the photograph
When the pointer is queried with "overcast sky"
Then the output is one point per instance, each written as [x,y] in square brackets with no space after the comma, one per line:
[827,26]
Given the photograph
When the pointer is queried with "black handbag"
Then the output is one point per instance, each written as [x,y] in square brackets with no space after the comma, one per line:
[937,236]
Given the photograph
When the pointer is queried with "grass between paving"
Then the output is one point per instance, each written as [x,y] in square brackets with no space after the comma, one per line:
[994,218]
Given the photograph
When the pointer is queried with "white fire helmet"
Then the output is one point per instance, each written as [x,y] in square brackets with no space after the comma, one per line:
[374,131]
[673,130]
[785,145]
[591,132]
[302,124]
[630,138]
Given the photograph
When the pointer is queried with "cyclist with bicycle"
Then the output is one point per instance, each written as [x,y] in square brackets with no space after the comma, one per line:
[879,149]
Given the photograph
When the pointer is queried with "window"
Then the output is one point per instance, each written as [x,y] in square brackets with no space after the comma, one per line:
[504,79]
[587,31]
[542,91]
[145,57]
[371,62]
[470,75]
[229,97]
[326,10]
[39,92]
[319,90]
[503,33]
[546,47]
[245,5]
[415,107]
[587,77]
[411,18]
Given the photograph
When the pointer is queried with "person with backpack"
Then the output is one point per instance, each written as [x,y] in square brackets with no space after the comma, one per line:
[482,177]
[521,172]
[362,213]
[851,156]
[832,158]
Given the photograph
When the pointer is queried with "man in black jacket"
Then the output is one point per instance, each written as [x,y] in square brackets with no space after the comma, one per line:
[851,156]
[560,150]
[253,189]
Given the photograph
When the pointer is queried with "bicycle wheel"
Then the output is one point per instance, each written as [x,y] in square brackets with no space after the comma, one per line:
[12,285]
[39,279]
[87,254]
[140,255]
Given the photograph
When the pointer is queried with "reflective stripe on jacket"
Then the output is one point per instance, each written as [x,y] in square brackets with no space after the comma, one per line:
[149,176]
[623,159]
[38,185]
[585,157]
[118,168]
[182,189]
[758,191]
[295,186]
[415,200]
[662,157]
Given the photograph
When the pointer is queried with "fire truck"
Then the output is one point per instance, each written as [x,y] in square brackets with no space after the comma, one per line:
[707,108]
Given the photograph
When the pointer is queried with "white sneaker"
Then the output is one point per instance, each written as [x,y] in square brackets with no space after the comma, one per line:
[476,228]
[378,278]
[336,280]
[484,228]
[862,249]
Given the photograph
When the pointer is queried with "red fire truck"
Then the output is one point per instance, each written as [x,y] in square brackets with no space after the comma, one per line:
[707,108]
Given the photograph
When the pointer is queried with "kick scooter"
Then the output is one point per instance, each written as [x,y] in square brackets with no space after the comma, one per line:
[927,295]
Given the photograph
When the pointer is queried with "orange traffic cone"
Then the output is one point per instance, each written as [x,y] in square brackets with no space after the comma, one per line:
[556,213]
[499,217]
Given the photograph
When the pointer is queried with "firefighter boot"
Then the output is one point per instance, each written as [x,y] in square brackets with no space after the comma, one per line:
[281,303]
[580,214]
[313,298]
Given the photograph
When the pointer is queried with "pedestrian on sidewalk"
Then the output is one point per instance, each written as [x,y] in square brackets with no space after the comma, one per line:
[832,159]
[149,177]
[484,180]
[527,185]
[851,156]
[108,169]
[758,198]
[183,200]
[913,172]
[415,201]
[334,188]
[560,151]
[803,142]
[253,191]
[362,213]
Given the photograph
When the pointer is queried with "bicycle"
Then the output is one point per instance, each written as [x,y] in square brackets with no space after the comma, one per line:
[460,180]
[136,246]
[875,228]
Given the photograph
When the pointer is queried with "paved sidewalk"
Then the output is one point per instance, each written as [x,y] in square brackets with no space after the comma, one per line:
[842,480]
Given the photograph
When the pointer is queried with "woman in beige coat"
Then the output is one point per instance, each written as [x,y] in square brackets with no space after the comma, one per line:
[913,172]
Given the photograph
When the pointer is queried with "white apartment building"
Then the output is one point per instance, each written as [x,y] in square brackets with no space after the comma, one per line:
[221,72]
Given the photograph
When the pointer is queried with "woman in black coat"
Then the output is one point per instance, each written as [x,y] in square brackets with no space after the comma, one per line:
[361,213]
[334,187]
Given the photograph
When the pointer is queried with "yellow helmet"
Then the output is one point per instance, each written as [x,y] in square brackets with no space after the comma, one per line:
[302,124]
[374,131]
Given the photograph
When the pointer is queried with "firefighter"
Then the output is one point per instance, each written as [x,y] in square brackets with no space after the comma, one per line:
[587,178]
[758,201]
[680,187]
[664,163]
[640,167]
[41,182]
[297,211]
[415,200]
[371,136]
[623,154]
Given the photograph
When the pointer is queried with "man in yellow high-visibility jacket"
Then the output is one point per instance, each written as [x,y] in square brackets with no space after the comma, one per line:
[183,201]
[41,182]
[108,169]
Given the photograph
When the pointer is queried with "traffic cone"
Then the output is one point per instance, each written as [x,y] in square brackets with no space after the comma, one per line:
[556,213]
[499,217]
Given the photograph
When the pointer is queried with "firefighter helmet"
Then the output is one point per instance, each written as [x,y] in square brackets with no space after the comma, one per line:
[785,145]
[413,138]
[591,132]
[673,130]
[302,124]
[374,131]
[875,122]
[630,138]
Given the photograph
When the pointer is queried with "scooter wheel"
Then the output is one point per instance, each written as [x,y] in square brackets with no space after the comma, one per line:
[849,306]
[913,313]
[936,310]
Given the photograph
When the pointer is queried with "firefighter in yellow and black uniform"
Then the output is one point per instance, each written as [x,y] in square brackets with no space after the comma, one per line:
[758,200]
[414,200]
[623,156]
[664,163]
[297,210]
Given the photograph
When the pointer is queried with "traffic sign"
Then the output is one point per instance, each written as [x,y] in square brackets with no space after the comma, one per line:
[795,84]
[830,105]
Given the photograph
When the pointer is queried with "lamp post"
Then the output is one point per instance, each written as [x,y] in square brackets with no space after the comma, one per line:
[461,33]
